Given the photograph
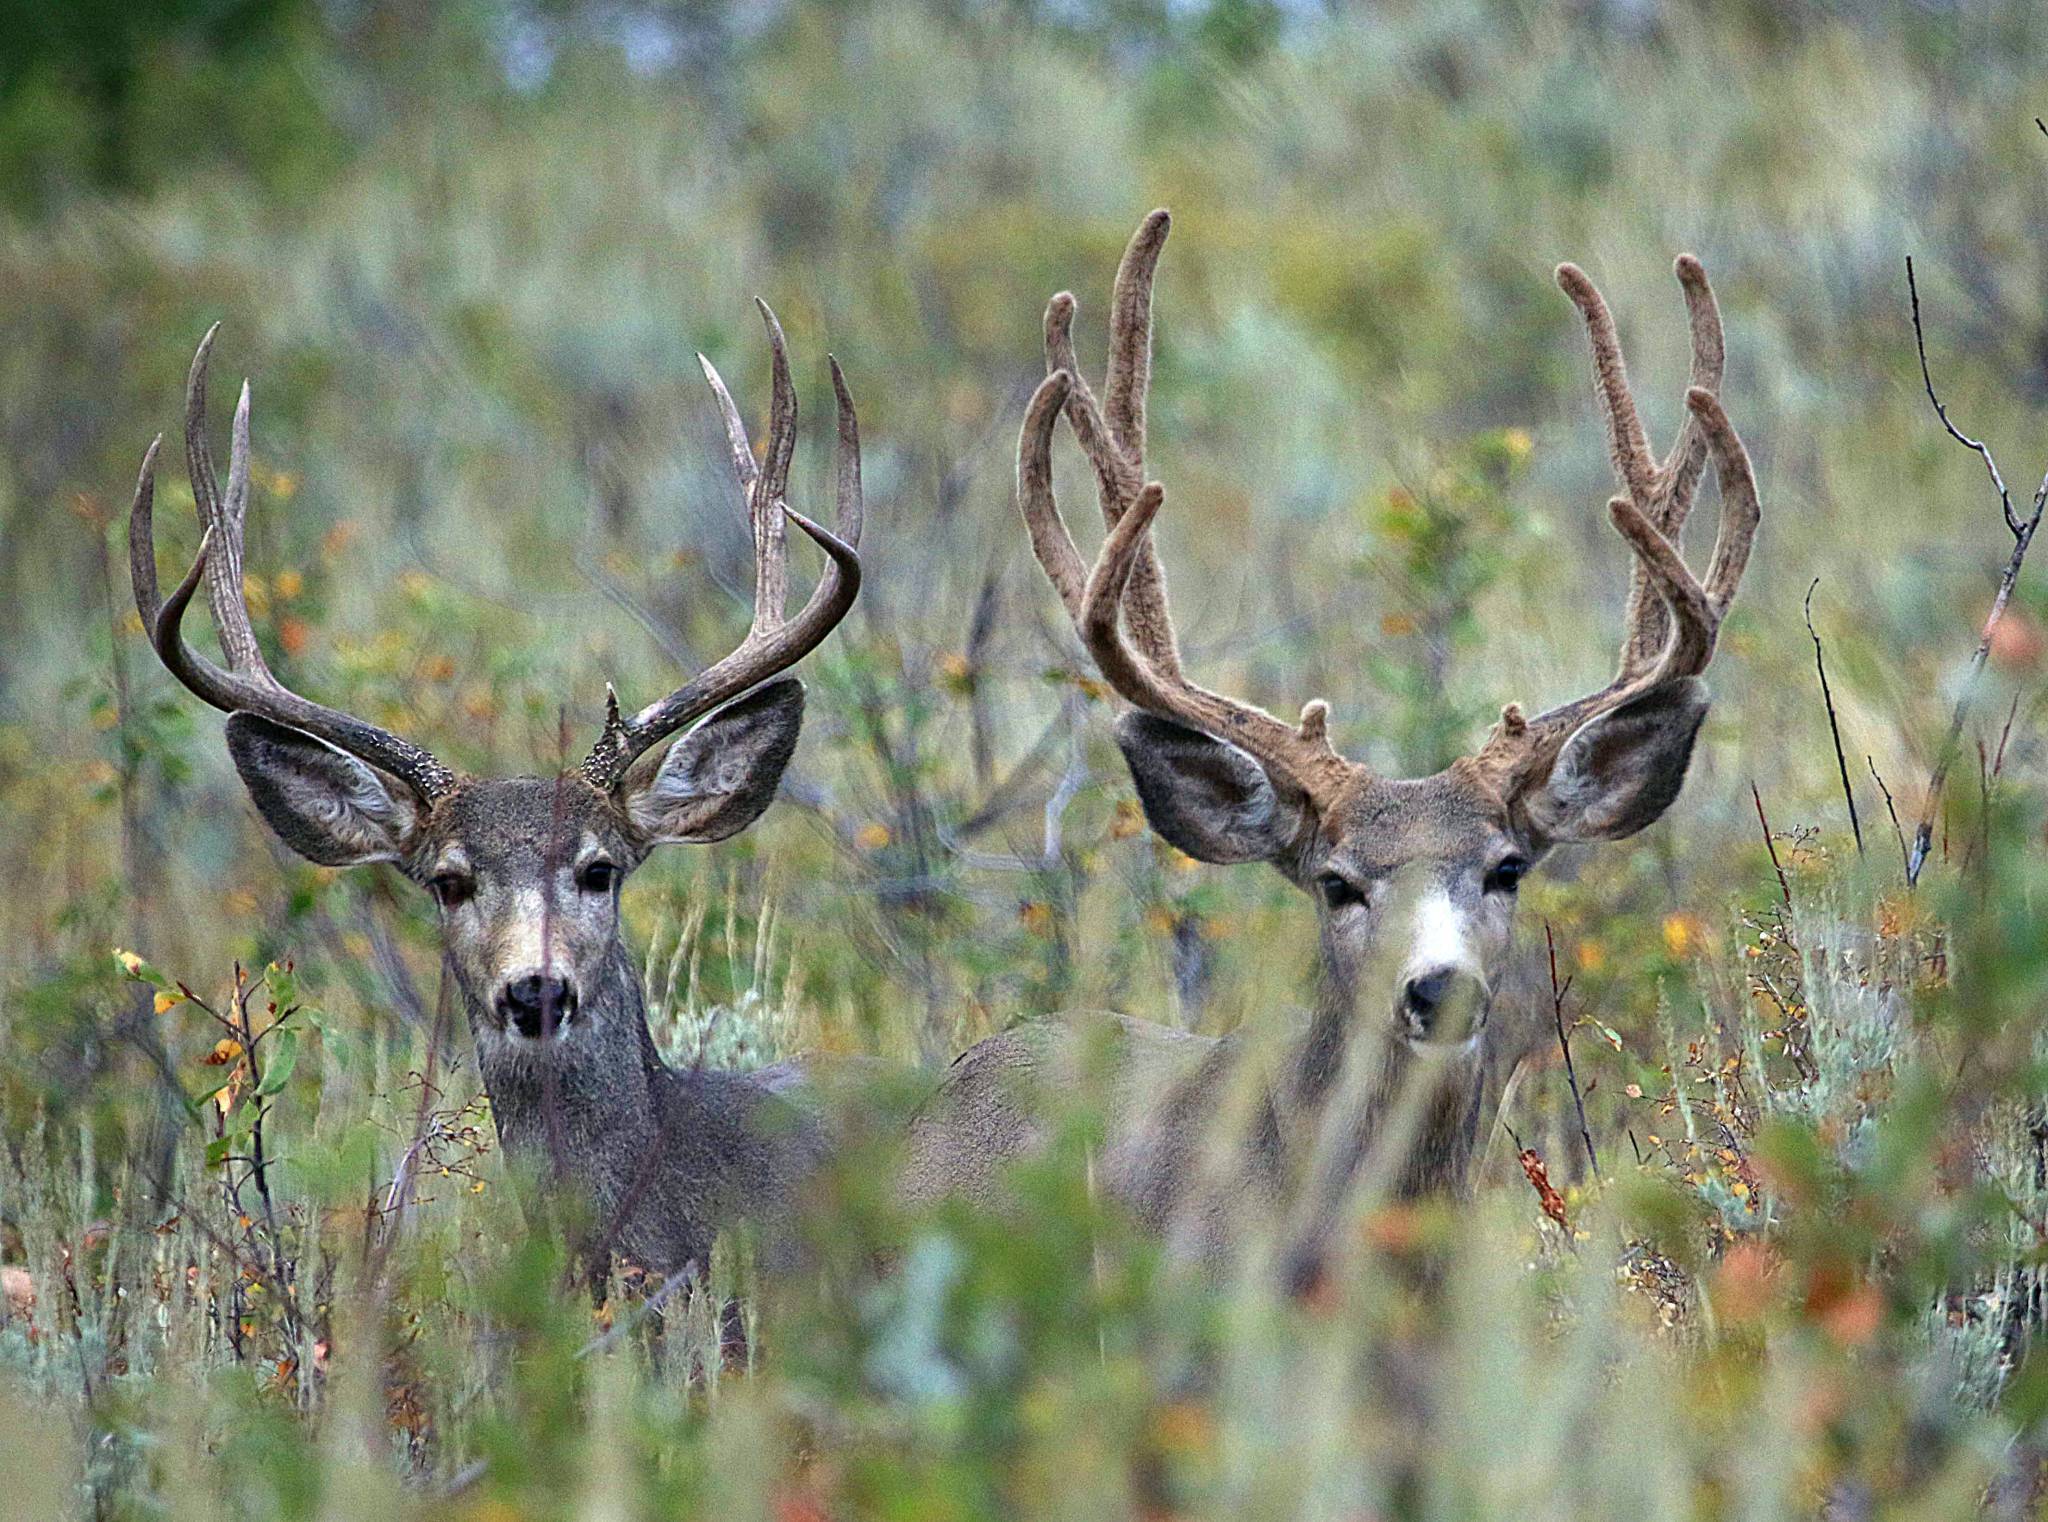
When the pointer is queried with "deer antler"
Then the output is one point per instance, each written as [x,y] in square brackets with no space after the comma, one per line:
[246,684]
[1673,619]
[773,642]
[1126,588]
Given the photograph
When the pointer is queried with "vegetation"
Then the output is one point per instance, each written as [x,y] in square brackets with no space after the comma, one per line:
[465,254]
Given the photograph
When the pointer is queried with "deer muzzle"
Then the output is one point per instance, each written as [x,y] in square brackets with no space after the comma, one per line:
[537,1005]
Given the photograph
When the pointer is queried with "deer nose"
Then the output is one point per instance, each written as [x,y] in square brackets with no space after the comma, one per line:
[537,1003]
[1442,1004]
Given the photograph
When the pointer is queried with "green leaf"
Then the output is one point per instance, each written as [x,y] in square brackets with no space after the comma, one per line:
[218,1149]
[132,966]
[282,985]
[281,1055]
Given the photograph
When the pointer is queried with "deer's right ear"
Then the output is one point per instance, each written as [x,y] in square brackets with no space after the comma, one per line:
[1206,797]
[322,802]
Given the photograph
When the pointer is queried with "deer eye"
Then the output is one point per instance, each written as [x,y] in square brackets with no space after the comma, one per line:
[1338,892]
[452,888]
[1506,876]
[597,877]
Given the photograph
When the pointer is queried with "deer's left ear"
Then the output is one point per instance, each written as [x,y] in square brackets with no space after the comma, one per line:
[1620,771]
[722,775]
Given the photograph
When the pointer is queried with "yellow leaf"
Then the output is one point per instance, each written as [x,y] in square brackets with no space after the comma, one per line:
[872,836]
[165,1002]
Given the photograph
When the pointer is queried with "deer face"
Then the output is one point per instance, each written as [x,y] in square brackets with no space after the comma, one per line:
[1415,880]
[1415,884]
[525,872]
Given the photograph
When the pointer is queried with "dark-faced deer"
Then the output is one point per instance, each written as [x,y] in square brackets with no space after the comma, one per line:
[526,872]
[1413,879]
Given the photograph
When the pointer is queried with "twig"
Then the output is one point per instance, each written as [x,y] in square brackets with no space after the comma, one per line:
[1834,725]
[1571,1074]
[1784,883]
[2022,537]
[1905,856]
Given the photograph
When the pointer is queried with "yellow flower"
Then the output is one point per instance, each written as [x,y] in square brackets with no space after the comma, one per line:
[872,836]
[1682,934]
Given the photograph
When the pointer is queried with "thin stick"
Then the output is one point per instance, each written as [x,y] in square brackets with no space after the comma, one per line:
[1571,1075]
[2022,537]
[1834,725]
[1784,883]
[1905,856]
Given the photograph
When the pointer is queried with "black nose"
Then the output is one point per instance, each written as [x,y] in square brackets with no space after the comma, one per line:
[537,1004]
[1433,1000]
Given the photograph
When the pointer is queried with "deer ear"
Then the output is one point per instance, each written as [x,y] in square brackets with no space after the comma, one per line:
[320,800]
[1206,797]
[1619,771]
[722,775]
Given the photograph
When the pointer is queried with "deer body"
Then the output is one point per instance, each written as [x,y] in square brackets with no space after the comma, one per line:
[641,1158]
[1416,1030]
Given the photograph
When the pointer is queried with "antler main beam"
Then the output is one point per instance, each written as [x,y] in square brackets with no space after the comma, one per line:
[773,642]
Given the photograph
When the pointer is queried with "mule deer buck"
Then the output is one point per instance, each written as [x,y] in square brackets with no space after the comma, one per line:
[526,871]
[1416,876]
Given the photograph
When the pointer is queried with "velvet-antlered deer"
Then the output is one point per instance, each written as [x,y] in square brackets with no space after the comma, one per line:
[1413,880]
[526,872]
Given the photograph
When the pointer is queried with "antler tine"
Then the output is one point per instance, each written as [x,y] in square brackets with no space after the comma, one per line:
[1297,754]
[1050,540]
[246,685]
[772,643]
[1688,458]
[743,465]
[851,511]
[771,534]
[1741,508]
[1130,334]
[1627,446]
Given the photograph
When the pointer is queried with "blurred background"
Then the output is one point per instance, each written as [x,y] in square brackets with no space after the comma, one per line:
[466,253]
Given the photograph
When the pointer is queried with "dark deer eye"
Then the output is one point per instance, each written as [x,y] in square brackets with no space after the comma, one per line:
[1338,892]
[597,877]
[452,888]
[1507,876]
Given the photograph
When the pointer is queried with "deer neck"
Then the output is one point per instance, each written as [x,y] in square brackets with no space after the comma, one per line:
[585,1096]
[1353,1072]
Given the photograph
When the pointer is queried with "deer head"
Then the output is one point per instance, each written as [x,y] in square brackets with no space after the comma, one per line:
[1419,872]
[525,871]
